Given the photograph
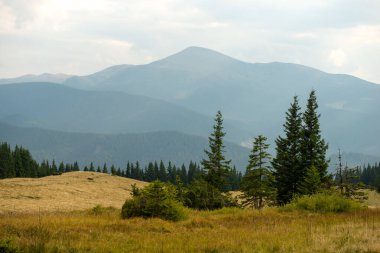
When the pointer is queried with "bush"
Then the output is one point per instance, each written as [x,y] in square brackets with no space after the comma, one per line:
[155,200]
[323,203]
[204,196]
[6,246]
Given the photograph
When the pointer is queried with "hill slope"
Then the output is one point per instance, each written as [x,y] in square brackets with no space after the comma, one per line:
[57,107]
[69,191]
[257,95]
[54,78]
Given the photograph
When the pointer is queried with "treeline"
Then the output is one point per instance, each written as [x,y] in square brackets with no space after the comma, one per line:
[20,163]
[165,173]
[370,175]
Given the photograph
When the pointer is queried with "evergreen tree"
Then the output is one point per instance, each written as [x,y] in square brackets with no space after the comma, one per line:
[53,168]
[61,168]
[150,174]
[313,146]
[183,175]
[92,168]
[76,166]
[113,170]
[98,169]
[171,173]
[287,163]
[7,169]
[128,170]
[311,183]
[105,169]
[258,183]
[162,176]
[216,166]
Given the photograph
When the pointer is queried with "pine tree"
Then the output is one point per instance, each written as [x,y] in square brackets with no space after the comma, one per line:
[61,168]
[162,176]
[128,170]
[258,183]
[216,166]
[92,168]
[53,168]
[150,174]
[105,169]
[76,166]
[7,169]
[113,170]
[287,163]
[311,183]
[313,146]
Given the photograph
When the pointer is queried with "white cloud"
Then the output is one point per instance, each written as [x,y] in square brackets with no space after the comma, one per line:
[83,36]
[337,57]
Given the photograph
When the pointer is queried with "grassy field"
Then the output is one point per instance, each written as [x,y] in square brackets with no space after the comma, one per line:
[226,230]
[34,227]
[66,192]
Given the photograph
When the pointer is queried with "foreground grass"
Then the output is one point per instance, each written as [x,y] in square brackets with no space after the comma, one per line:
[226,230]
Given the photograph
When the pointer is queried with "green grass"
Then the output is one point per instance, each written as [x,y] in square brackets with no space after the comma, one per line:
[226,230]
[323,203]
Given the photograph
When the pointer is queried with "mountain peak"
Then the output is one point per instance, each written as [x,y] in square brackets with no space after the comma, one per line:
[196,56]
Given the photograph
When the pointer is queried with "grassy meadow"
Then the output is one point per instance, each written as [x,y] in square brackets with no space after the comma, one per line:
[226,230]
[65,214]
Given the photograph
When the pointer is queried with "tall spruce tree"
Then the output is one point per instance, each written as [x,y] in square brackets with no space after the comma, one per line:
[7,169]
[287,163]
[216,166]
[258,182]
[313,146]
[311,183]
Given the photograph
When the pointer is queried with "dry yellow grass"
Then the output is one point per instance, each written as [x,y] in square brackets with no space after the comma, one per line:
[373,200]
[66,192]
[226,230]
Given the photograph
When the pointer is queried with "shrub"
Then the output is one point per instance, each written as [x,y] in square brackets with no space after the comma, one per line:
[6,246]
[203,196]
[323,203]
[155,200]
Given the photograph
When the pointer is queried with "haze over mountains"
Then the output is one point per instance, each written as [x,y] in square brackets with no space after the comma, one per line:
[183,92]
[115,149]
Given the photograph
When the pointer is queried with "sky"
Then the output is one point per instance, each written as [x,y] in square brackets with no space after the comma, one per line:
[84,36]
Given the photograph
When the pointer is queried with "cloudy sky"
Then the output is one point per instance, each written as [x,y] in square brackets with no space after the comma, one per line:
[84,36]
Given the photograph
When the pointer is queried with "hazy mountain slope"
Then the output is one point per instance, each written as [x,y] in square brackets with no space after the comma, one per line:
[115,149]
[88,81]
[46,77]
[53,106]
[257,95]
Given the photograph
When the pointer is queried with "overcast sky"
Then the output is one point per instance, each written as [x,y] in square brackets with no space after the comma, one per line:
[84,36]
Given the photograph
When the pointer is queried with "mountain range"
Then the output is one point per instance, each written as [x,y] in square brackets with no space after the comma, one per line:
[182,93]
[115,149]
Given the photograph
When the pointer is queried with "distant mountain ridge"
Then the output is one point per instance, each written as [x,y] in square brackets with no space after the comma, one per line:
[256,95]
[46,77]
[182,92]
[115,149]
[58,107]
